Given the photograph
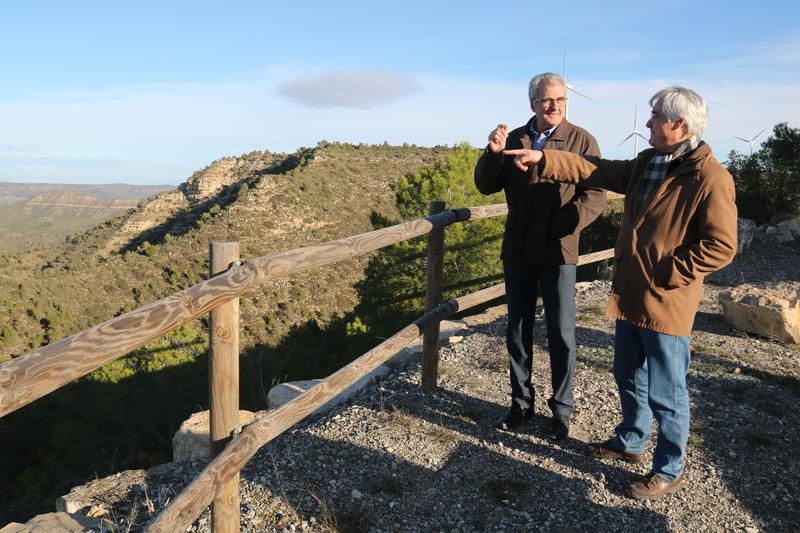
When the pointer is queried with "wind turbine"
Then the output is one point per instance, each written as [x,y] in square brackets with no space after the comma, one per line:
[750,142]
[568,86]
[635,134]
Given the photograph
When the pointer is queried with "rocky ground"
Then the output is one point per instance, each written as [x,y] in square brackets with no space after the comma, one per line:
[394,459]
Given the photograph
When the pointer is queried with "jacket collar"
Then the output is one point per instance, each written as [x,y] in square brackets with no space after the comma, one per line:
[561,133]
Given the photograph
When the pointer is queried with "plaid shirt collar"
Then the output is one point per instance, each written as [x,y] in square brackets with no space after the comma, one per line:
[659,165]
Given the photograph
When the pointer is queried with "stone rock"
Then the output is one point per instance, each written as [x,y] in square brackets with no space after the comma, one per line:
[788,231]
[59,522]
[286,392]
[746,228]
[767,309]
[190,442]
[447,328]
[487,316]
[97,493]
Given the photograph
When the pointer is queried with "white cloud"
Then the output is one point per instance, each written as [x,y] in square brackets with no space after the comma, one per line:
[356,89]
[161,133]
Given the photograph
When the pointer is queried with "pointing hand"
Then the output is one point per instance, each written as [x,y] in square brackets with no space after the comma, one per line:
[524,159]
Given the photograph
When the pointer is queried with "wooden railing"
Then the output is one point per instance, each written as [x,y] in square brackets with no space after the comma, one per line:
[41,371]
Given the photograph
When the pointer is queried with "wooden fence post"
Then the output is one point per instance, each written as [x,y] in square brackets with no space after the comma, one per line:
[433,296]
[224,387]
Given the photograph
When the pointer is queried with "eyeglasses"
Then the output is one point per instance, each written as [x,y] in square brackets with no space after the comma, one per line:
[547,102]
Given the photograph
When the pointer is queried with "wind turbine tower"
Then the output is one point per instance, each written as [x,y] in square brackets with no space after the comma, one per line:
[750,142]
[636,134]
[570,87]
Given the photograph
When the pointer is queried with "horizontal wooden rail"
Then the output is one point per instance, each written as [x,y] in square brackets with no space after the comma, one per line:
[595,256]
[180,514]
[41,371]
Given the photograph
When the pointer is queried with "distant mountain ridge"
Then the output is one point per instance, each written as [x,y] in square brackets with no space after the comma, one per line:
[15,192]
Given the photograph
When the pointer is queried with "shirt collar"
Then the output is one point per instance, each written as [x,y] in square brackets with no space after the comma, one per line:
[535,134]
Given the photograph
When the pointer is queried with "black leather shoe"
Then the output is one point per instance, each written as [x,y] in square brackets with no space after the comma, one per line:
[560,426]
[515,418]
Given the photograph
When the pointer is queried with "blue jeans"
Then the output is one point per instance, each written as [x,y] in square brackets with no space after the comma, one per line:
[650,370]
[557,284]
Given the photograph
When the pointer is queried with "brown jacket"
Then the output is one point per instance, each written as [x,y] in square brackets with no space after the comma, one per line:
[544,217]
[685,229]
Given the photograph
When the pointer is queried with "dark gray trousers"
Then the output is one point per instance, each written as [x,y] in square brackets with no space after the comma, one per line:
[557,285]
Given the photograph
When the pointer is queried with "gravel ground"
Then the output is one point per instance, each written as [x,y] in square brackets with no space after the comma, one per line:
[394,459]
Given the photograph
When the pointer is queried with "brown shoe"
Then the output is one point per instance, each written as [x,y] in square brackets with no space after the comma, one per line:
[606,450]
[653,486]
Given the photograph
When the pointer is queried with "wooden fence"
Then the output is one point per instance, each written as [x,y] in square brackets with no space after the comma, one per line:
[41,371]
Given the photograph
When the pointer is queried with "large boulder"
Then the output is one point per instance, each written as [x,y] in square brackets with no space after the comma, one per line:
[191,441]
[766,309]
[746,228]
[788,230]
[54,523]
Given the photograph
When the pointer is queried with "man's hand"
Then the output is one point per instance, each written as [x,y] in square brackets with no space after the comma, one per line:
[525,159]
[497,139]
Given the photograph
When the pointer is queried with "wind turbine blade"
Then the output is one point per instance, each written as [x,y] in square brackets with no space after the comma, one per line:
[642,136]
[571,88]
[626,138]
[759,133]
[745,140]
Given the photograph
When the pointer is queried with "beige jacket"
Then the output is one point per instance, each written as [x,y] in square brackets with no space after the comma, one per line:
[683,231]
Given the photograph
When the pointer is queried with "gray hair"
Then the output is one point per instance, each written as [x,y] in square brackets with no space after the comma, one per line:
[680,102]
[545,78]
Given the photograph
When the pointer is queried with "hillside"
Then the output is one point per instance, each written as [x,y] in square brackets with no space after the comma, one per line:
[290,328]
[265,201]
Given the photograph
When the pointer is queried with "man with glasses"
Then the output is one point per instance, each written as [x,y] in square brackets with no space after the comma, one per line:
[540,246]
[679,225]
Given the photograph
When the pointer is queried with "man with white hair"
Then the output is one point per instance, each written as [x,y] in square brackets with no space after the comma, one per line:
[540,246]
[678,226]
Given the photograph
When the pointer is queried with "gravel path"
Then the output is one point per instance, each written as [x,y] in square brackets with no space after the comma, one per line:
[394,459]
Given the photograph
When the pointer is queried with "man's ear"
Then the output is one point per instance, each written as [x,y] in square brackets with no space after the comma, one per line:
[680,124]
[532,108]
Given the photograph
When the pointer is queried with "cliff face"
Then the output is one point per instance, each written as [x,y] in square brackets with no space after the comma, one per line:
[224,172]
[60,204]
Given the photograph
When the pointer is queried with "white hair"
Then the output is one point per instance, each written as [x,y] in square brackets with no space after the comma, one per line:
[545,78]
[680,102]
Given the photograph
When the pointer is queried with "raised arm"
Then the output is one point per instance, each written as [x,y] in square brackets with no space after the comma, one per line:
[488,170]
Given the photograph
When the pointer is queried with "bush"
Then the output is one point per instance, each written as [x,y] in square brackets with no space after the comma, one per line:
[395,278]
[768,181]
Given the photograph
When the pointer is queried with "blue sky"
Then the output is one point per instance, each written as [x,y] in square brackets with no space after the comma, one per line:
[149,92]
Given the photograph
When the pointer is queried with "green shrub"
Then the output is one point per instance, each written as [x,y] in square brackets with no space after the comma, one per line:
[768,181]
[395,277]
